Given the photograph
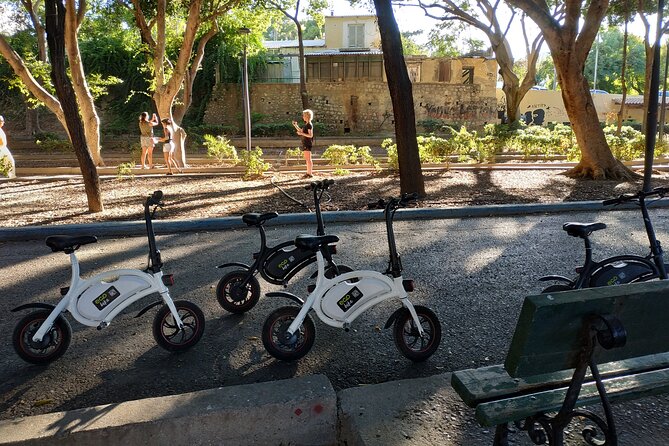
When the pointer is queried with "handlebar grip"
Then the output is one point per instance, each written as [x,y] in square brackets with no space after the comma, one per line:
[611,201]
[381,204]
[621,199]
[407,198]
[311,186]
[154,199]
[327,183]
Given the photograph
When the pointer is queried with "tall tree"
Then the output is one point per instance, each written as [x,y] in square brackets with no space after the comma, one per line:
[41,92]
[483,15]
[569,35]
[401,95]
[57,21]
[174,76]
[291,9]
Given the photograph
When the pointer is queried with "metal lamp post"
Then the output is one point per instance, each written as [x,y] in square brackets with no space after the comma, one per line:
[245,89]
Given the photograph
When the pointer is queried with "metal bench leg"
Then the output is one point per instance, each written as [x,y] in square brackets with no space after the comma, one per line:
[501,435]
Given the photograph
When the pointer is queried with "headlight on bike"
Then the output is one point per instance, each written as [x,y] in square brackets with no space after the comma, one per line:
[168,279]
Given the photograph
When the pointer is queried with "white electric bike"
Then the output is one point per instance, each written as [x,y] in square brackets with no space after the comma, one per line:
[44,335]
[289,333]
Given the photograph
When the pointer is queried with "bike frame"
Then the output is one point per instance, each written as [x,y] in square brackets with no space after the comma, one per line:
[152,278]
[323,285]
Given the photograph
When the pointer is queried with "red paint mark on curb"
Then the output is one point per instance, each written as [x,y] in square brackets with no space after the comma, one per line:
[318,408]
[298,411]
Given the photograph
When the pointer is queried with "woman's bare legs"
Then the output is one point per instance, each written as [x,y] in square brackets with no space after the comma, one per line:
[168,158]
[310,163]
[145,151]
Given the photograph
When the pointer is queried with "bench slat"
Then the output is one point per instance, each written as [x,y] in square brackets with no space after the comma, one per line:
[547,338]
[618,389]
[476,386]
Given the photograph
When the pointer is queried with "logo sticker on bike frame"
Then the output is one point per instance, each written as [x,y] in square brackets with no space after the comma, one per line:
[349,299]
[106,298]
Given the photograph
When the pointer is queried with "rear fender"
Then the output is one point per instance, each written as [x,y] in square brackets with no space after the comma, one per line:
[231,264]
[34,305]
[556,278]
[287,295]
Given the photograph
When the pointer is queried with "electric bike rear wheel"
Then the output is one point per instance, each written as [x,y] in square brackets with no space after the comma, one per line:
[279,343]
[409,341]
[236,298]
[167,333]
[556,288]
[53,344]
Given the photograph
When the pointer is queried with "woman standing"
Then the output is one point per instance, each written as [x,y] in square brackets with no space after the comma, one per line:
[168,146]
[146,137]
[306,134]
[4,150]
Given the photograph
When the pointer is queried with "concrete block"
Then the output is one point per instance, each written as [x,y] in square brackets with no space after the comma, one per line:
[299,411]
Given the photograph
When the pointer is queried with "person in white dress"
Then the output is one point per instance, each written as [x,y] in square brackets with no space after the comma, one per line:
[4,150]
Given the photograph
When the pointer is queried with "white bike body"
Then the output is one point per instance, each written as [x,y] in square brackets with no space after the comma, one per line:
[339,301]
[95,302]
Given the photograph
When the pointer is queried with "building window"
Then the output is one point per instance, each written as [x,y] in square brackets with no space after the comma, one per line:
[468,75]
[349,68]
[445,71]
[356,35]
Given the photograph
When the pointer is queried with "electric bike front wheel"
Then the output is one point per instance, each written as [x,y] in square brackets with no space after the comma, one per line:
[279,343]
[52,346]
[235,297]
[166,332]
[409,341]
[556,288]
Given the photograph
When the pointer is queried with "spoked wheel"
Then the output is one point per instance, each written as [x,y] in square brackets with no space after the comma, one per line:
[52,346]
[409,341]
[556,288]
[166,332]
[279,343]
[235,297]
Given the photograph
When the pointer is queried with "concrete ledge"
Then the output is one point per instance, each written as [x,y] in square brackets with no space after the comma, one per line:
[299,411]
[138,228]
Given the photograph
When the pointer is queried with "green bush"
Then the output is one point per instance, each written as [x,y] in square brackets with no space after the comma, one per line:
[391,150]
[125,170]
[5,166]
[349,154]
[341,172]
[255,165]
[295,153]
[52,142]
[219,147]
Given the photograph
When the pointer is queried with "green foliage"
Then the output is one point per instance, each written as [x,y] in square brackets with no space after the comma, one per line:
[5,166]
[135,153]
[51,142]
[124,170]
[349,154]
[295,153]
[255,165]
[219,147]
[341,172]
[391,150]
[631,144]
[265,130]
[431,125]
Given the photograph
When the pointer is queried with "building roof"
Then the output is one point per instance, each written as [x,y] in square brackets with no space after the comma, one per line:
[278,44]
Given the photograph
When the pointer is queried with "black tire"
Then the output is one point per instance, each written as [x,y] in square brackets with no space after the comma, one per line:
[556,288]
[407,339]
[53,345]
[274,335]
[167,334]
[234,298]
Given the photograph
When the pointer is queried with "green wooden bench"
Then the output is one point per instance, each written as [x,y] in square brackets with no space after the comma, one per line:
[620,334]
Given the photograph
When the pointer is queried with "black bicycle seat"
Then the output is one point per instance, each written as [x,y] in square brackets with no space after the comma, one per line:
[314,242]
[255,219]
[68,243]
[582,229]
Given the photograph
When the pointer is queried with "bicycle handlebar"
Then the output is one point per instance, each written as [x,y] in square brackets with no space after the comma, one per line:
[660,191]
[154,199]
[322,185]
[393,202]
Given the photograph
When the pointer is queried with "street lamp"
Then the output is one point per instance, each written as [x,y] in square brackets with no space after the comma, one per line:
[245,89]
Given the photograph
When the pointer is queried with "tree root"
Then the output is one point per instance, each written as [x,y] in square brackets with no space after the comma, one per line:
[589,172]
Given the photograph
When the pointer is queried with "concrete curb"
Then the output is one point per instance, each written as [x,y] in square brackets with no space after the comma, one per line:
[131,228]
[298,411]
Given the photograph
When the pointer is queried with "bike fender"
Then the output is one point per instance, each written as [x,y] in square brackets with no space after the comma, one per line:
[228,265]
[558,278]
[395,315]
[34,305]
[148,307]
[287,295]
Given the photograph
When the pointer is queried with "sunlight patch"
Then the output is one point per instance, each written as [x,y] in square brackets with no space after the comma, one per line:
[480,259]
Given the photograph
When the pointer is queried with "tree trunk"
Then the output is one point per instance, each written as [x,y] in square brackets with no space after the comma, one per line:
[401,94]
[164,106]
[597,161]
[89,116]
[623,73]
[55,26]
[304,95]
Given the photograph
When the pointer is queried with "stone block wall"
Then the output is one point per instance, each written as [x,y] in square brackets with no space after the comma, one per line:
[358,108]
